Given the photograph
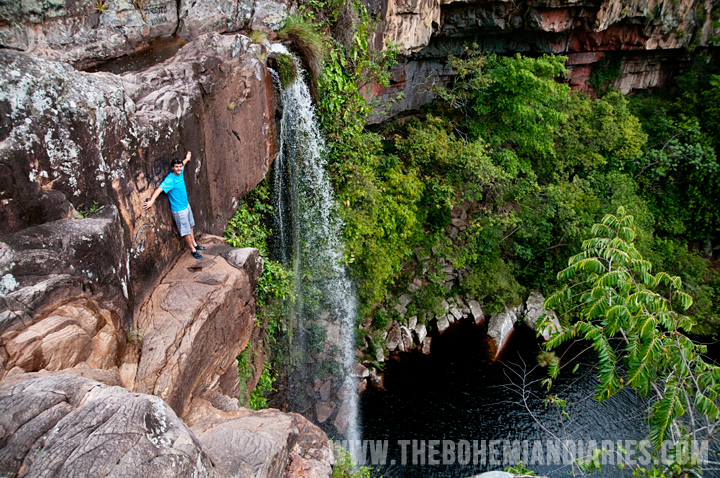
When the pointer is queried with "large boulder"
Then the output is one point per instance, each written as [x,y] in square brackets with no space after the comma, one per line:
[264,444]
[196,322]
[73,426]
[75,141]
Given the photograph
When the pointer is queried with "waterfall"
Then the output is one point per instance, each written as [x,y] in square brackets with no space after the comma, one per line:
[309,239]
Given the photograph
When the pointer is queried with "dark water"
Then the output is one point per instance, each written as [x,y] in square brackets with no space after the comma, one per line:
[455,394]
[156,52]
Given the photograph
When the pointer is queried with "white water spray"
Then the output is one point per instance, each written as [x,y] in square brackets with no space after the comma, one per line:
[313,239]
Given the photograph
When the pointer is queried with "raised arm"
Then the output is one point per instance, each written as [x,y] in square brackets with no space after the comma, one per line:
[187,158]
[149,203]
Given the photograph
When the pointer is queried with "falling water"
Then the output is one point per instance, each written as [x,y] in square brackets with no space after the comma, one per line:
[309,233]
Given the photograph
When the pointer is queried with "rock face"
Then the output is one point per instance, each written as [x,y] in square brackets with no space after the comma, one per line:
[500,328]
[71,426]
[193,326]
[267,443]
[80,32]
[76,142]
[75,426]
[534,310]
[646,37]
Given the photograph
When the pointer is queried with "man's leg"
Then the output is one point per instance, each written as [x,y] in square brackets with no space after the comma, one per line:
[190,242]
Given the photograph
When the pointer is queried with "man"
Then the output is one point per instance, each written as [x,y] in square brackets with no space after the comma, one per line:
[174,187]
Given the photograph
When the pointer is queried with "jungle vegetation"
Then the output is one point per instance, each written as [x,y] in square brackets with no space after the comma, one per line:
[537,167]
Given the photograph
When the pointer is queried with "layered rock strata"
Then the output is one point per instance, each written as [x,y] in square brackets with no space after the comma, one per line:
[648,39]
[86,31]
[195,324]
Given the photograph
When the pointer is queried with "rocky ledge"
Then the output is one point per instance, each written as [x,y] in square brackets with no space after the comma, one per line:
[74,426]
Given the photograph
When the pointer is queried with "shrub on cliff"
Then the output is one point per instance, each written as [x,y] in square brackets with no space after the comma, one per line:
[634,320]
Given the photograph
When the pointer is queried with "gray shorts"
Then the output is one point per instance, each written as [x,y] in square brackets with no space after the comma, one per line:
[184,221]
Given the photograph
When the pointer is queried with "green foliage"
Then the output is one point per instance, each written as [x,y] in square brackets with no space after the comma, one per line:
[513,103]
[247,228]
[93,209]
[345,468]
[264,386]
[611,291]
[605,72]
[256,399]
[308,43]
[286,68]
[520,470]
[257,36]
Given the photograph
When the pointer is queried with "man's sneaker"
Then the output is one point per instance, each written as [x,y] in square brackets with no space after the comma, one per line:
[197,255]
[200,248]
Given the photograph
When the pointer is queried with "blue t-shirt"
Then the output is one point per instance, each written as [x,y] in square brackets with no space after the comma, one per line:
[174,187]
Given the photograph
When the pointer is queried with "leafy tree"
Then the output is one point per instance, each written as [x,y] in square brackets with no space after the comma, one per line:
[512,103]
[634,321]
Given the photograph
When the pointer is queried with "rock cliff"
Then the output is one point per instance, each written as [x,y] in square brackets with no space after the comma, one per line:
[649,39]
[76,142]
[124,344]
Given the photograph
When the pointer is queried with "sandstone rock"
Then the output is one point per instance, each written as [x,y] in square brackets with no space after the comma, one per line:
[76,333]
[377,380]
[456,313]
[362,386]
[256,444]
[442,324]
[192,331]
[394,340]
[406,337]
[209,16]
[312,456]
[76,31]
[325,390]
[71,138]
[341,421]
[421,332]
[269,15]
[323,410]
[360,371]
[72,426]
[380,354]
[535,310]
[500,329]
[412,322]
[415,285]
[108,377]
[426,345]
[476,312]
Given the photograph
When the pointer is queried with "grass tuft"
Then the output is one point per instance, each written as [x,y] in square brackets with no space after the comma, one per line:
[309,44]
[286,68]
[257,36]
